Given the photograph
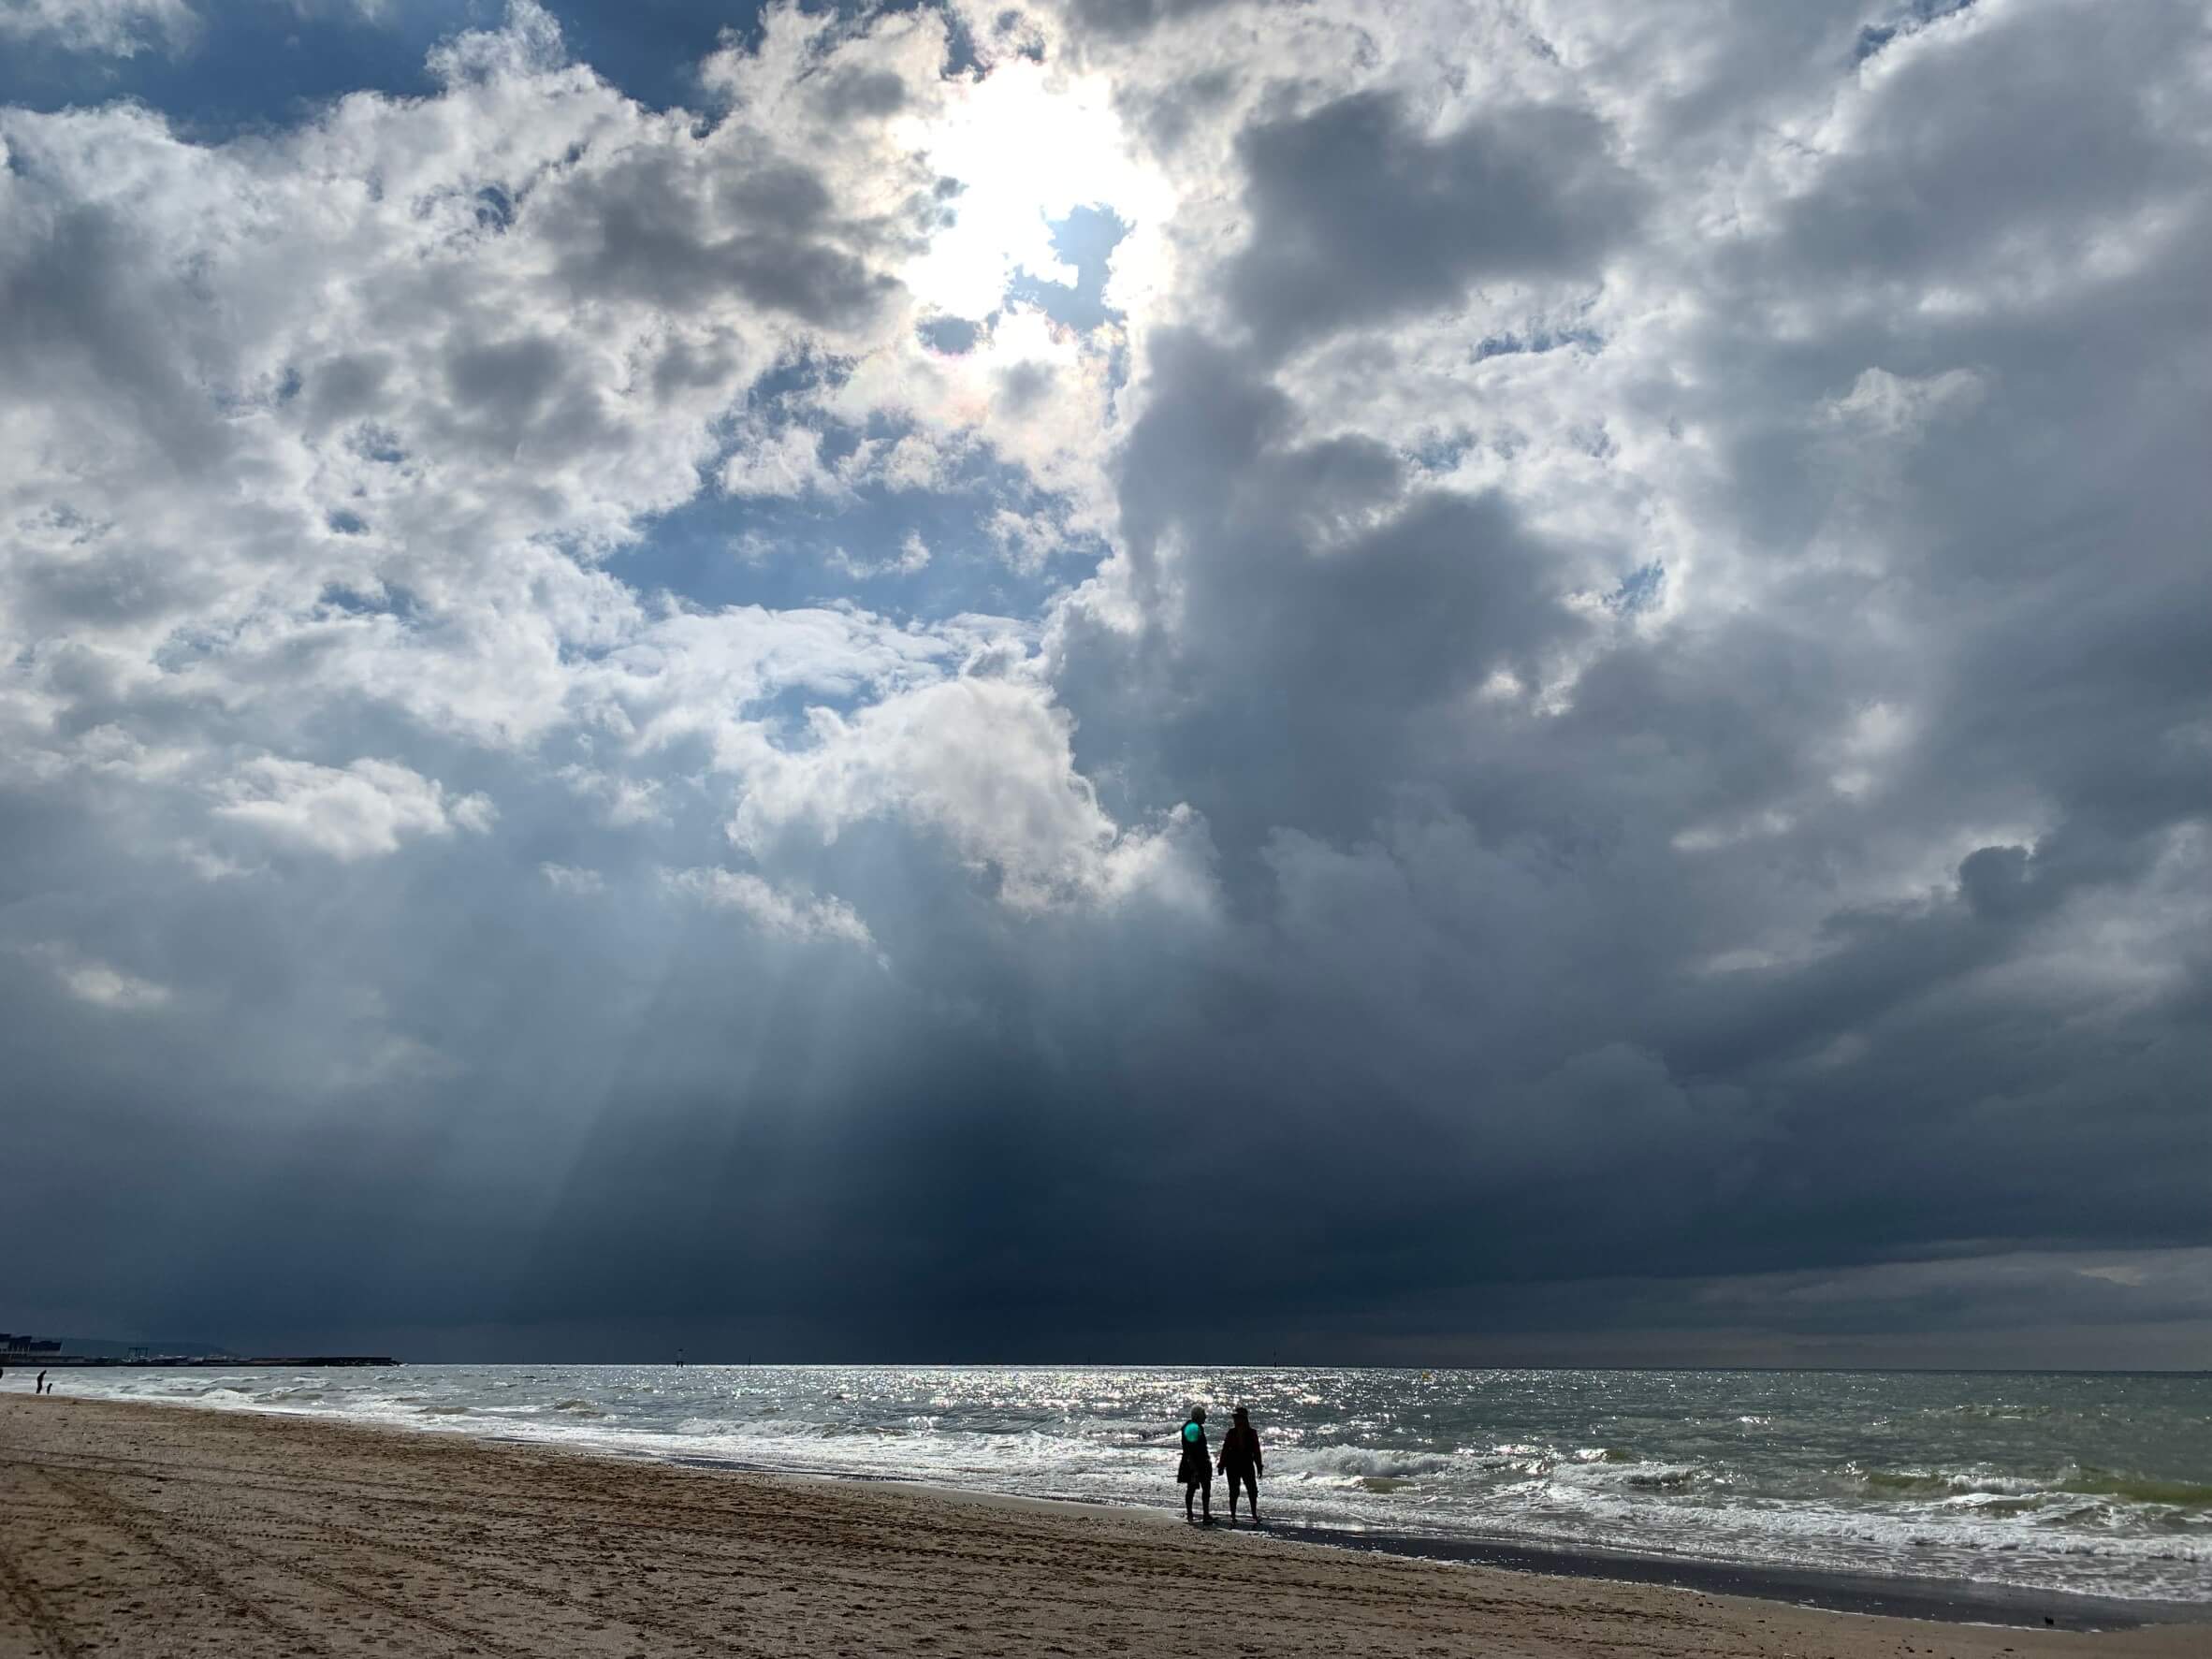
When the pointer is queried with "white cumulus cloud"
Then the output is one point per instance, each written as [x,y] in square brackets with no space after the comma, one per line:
[773,910]
[363,811]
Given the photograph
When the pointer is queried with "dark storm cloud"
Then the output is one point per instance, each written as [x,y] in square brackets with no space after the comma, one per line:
[505,393]
[77,321]
[1329,612]
[1118,20]
[1542,985]
[670,234]
[599,1106]
[853,93]
[2024,132]
[1357,213]
[345,385]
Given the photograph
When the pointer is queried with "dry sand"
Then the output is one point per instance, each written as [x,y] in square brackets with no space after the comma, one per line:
[148,1530]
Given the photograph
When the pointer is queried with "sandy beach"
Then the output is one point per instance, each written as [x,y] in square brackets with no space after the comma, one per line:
[152,1530]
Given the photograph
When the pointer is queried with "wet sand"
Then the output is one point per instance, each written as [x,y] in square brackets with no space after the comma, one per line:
[161,1530]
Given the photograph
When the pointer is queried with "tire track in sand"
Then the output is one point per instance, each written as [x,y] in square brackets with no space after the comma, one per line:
[114,1512]
[22,1595]
[196,1573]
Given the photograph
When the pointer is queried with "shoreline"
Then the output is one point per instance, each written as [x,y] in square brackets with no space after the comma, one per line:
[1933,1601]
[1942,1601]
[135,1527]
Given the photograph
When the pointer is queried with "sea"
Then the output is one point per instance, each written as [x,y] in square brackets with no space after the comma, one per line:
[2092,1484]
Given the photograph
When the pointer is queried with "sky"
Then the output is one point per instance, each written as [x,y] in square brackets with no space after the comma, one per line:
[1471,681]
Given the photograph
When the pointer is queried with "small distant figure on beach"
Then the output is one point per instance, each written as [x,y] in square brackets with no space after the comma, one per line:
[1196,1472]
[1240,1460]
[40,1387]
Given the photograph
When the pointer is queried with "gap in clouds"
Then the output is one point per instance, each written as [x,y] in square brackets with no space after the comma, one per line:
[253,66]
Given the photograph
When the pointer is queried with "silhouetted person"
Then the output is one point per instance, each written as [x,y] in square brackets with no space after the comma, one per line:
[40,1389]
[1242,1463]
[1197,1469]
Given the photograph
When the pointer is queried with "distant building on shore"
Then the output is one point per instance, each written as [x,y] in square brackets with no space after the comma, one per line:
[20,1349]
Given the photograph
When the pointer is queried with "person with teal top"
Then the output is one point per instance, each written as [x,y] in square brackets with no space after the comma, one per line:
[1197,1469]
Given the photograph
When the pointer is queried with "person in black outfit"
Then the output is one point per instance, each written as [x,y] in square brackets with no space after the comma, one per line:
[1242,1463]
[1195,1471]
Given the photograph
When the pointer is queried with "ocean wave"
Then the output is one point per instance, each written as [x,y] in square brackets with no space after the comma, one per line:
[1364,1462]
[2140,1488]
[2074,1482]
[1995,1411]
[1636,1477]
[1950,1543]
[1938,1482]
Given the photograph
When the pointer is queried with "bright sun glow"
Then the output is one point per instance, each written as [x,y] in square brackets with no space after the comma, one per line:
[1029,145]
